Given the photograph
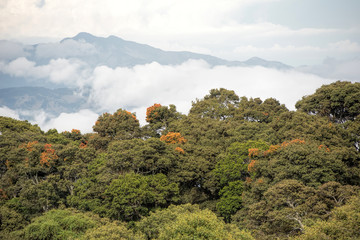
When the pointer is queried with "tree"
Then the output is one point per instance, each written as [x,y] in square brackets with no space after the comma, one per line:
[112,231]
[344,223]
[173,138]
[219,104]
[234,165]
[60,224]
[230,199]
[159,117]
[120,125]
[188,222]
[339,101]
[306,162]
[141,156]
[256,110]
[132,195]
[291,204]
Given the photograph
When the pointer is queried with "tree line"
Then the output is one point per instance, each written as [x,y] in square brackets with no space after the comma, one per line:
[232,168]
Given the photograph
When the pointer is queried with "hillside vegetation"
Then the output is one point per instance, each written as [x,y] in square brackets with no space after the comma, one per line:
[233,168]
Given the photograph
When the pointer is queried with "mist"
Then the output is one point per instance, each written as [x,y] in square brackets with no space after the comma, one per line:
[134,89]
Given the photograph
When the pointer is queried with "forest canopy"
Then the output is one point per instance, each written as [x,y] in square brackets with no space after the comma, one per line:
[232,168]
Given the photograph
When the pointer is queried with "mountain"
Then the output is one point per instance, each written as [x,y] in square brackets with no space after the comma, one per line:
[114,51]
[96,51]
[25,82]
[53,101]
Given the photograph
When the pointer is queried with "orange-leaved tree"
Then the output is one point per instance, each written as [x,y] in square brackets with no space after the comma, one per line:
[48,156]
[159,117]
[173,138]
[152,112]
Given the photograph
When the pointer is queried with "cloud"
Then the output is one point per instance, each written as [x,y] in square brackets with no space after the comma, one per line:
[208,26]
[11,50]
[336,69]
[55,19]
[144,85]
[302,53]
[7,112]
[61,71]
[82,120]
[139,87]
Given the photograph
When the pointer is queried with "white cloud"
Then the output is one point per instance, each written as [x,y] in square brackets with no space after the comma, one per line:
[7,112]
[55,19]
[144,85]
[66,71]
[345,45]
[137,88]
[11,50]
[82,120]
[208,26]
[303,53]
[336,69]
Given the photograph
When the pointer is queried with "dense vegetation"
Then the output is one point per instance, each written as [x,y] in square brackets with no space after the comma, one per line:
[233,168]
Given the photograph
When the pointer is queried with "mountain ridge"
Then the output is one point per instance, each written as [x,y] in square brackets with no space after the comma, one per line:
[152,54]
[29,93]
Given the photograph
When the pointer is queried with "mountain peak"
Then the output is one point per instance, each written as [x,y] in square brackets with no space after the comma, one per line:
[256,61]
[84,35]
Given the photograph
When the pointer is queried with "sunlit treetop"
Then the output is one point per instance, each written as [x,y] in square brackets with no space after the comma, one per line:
[120,125]
[173,138]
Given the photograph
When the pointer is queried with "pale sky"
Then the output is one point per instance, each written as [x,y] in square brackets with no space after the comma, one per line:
[296,32]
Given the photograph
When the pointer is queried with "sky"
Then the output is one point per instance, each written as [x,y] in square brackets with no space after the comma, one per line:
[296,32]
[320,38]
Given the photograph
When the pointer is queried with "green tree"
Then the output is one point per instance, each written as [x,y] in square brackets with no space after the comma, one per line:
[60,224]
[120,125]
[339,101]
[309,163]
[234,166]
[219,104]
[344,223]
[159,117]
[112,231]
[256,110]
[230,199]
[188,222]
[141,156]
[132,195]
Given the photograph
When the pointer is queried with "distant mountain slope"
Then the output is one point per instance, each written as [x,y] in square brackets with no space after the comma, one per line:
[53,101]
[29,65]
[114,51]
[96,51]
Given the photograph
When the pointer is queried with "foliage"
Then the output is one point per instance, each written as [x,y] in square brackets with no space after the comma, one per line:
[188,222]
[112,231]
[120,125]
[277,173]
[344,223]
[59,224]
[173,138]
[339,101]
[219,104]
[132,195]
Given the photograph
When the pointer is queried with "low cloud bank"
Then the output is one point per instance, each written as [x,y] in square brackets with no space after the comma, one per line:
[137,88]
[7,112]
[348,70]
